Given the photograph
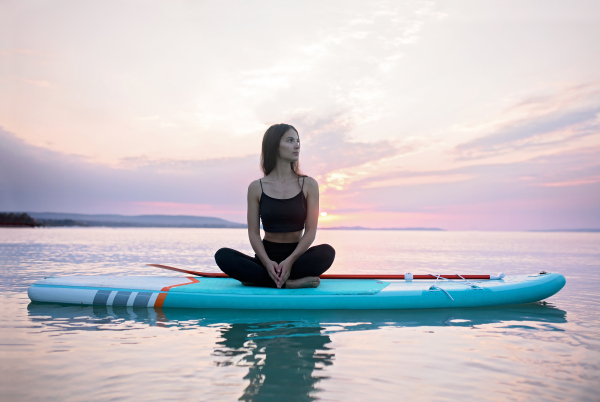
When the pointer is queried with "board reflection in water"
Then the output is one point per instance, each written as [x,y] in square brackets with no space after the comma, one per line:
[334,320]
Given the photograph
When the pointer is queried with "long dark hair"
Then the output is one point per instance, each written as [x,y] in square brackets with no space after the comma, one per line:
[270,148]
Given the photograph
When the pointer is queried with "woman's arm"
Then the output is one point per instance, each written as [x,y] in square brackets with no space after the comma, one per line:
[254,193]
[310,230]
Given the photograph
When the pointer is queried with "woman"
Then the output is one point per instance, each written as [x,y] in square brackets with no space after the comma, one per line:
[287,202]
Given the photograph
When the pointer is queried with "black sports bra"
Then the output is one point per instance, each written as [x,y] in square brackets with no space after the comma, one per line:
[287,215]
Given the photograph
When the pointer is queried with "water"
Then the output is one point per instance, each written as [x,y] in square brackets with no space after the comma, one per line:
[529,352]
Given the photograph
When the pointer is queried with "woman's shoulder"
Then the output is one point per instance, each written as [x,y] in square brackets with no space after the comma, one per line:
[255,186]
[309,180]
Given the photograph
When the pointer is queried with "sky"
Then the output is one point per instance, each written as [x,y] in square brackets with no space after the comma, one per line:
[462,115]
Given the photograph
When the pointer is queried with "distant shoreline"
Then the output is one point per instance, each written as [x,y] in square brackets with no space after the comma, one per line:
[124,226]
[568,230]
[364,228]
[54,219]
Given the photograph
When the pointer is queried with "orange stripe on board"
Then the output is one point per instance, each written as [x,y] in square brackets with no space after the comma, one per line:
[162,296]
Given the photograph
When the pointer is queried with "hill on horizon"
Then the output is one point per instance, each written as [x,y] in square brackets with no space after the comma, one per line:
[366,228]
[55,218]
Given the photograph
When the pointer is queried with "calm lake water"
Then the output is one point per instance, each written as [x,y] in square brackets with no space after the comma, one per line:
[536,351]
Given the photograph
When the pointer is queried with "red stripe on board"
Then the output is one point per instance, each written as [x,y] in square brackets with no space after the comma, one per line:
[185,271]
[162,296]
[325,276]
[347,276]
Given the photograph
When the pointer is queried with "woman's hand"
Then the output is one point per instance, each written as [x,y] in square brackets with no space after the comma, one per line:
[285,268]
[273,270]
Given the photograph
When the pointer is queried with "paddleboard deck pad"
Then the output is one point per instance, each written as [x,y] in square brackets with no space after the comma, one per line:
[227,293]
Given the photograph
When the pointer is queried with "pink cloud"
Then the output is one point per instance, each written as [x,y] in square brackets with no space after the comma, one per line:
[180,208]
[37,83]
[491,197]
[578,182]
[23,51]
[539,123]
[383,219]
[327,145]
[420,179]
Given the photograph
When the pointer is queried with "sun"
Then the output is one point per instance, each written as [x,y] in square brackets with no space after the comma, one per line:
[323,214]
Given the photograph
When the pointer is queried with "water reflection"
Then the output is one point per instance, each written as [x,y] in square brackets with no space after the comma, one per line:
[286,352]
[279,356]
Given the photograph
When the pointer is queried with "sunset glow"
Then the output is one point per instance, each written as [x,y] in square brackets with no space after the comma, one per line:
[458,115]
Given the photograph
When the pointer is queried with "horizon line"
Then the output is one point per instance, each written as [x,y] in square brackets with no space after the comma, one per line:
[575,230]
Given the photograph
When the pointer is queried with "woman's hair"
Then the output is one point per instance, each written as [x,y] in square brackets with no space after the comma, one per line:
[270,148]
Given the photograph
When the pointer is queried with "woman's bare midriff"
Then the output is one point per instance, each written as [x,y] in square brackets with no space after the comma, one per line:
[286,237]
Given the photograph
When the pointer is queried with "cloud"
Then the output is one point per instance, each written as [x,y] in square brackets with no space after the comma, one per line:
[501,196]
[577,182]
[334,157]
[330,154]
[37,83]
[420,179]
[539,131]
[539,123]
[345,66]
[37,179]
[26,52]
[179,208]
[487,196]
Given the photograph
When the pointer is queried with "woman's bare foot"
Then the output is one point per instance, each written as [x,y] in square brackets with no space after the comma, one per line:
[306,282]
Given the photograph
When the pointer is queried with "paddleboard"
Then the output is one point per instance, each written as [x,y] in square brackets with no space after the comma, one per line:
[345,294]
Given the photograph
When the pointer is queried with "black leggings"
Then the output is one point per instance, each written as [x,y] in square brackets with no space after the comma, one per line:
[244,268]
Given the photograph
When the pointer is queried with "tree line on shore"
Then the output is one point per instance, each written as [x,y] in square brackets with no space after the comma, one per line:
[16,219]
[12,219]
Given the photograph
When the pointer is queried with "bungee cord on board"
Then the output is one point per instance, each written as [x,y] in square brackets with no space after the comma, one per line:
[464,281]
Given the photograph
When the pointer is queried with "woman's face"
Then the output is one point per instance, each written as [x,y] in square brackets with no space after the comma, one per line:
[289,146]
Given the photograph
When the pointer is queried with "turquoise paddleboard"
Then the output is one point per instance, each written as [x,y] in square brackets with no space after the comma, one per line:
[227,293]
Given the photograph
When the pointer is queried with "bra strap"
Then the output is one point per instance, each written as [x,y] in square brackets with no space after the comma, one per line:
[304,178]
[261,189]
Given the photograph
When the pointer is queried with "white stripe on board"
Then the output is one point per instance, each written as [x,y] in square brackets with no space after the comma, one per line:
[111,298]
[131,299]
[152,299]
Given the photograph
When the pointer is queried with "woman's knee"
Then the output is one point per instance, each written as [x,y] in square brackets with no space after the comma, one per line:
[223,254]
[327,252]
